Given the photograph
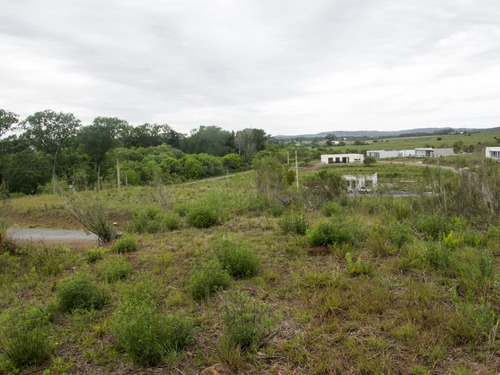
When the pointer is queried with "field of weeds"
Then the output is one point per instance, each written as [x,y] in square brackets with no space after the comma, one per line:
[251,273]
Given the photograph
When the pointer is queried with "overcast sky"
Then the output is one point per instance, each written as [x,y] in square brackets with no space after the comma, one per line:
[287,66]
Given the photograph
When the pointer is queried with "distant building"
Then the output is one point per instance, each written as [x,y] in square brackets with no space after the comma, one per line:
[361,184]
[406,153]
[493,153]
[342,159]
[382,154]
[432,152]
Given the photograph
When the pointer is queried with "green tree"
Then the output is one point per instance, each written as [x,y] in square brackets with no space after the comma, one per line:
[250,141]
[369,160]
[7,119]
[49,132]
[26,170]
[97,139]
[210,140]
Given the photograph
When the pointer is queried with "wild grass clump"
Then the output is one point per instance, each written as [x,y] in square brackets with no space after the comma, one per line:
[124,245]
[331,208]
[294,223]
[208,277]
[94,254]
[114,269]
[153,220]
[358,267]
[79,291]
[27,346]
[237,258]
[378,244]
[434,226]
[401,209]
[247,321]
[202,217]
[147,335]
[333,232]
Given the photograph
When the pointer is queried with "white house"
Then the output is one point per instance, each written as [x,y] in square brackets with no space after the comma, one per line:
[406,153]
[432,152]
[382,154]
[361,184]
[342,159]
[493,153]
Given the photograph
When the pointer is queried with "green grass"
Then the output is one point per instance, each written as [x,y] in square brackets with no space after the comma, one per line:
[392,292]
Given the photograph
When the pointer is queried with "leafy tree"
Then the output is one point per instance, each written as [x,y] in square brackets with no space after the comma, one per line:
[369,160]
[148,135]
[97,139]
[250,141]
[49,132]
[210,140]
[7,119]
[26,170]
[329,139]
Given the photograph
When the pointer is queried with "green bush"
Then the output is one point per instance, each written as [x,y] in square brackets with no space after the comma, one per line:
[170,221]
[124,245]
[202,217]
[114,269]
[247,321]
[295,223]
[79,291]
[358,267]
[329,233]
[27,346]
[153,220]
[331,208]
[94,254]
[401,209]
[237,259]
[434,226]
[208,277]
[148,336]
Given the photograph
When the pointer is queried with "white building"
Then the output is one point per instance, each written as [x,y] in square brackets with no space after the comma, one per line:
[361,184]
[382,154]
[493,153]
[432,152]
[406,153]
[342,159]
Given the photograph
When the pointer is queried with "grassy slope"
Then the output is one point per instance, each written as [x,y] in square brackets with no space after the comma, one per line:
[401,318]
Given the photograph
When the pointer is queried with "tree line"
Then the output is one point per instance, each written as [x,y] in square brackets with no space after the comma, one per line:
[52,145]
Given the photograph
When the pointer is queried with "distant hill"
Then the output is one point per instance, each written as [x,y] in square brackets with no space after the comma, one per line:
[382,134]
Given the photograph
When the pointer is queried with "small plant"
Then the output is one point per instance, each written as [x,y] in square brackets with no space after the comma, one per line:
[94,254]
[247,321]
[124,245]
[147,335]
[237,259]
[79,291]
[202,217]
[329,233]
[378,244]
[434,226]
[450,241]
[153,220]
[357,268]
[295,223]
[170,221]
[331,208]
[114,269]
[208,278]
[401,210]
[27,346]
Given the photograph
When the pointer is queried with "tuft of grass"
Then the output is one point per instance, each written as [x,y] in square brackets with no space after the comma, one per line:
[294,223]
[79,291]
[114,269]
[238,259]
[153,220]
[202,217]
[124,245]
[147,335]
[28,346]
[247,321]
[207,278]
[94,254]
[357,267]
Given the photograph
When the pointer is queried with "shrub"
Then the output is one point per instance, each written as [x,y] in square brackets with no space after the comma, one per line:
[147,335]
[295,223]
[79,291]
[208,278]
[401,209]
[331,208]
[170,221]
[247,321]
[237,259]
[434,226]
[378,244]
[124,245]
[329,233]
[114,269]
[202,217]
[358,267]
[94,254]
[28,346]
[153,220]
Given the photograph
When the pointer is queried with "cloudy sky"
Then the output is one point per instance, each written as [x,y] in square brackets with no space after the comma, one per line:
[286,66]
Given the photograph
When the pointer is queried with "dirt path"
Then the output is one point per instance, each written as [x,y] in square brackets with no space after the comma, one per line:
[417,164]
[215,178]
[51,237]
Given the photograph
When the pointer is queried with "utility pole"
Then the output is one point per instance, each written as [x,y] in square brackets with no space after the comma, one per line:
[296,170]
[118,173]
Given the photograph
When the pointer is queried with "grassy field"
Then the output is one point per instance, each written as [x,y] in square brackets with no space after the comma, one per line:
[357,285]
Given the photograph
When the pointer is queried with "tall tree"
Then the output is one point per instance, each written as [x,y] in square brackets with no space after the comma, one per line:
[211,140]
[250,141]
[97,139]
[7,119]
[49,131]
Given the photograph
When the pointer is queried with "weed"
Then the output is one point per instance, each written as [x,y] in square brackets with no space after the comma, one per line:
[328,233]
[124,245]
[114,269]
[28,346]
[295,223]
[331,208]
[401,209]
[358,267]
[79,291]
[247,321]
[229,352]
[94,254]
[378,244]
[434,226]
[148,336]
[153,220]
[236,258]
[208,277]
